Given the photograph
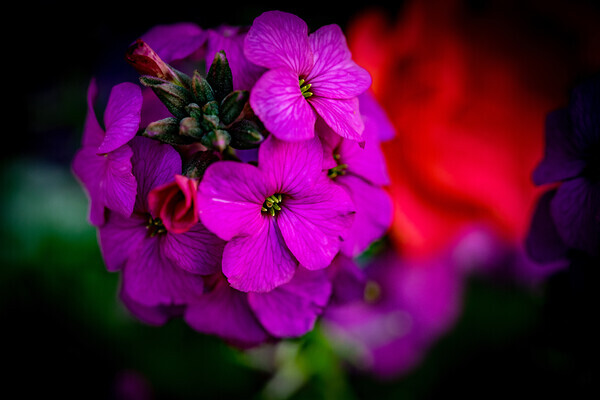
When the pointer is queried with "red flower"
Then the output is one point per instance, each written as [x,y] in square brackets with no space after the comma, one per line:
[175,204]
[468,93]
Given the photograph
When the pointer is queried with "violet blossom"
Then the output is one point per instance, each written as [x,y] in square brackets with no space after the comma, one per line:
[308,76]
[160,268]
[276,215]
[568,215]
[103,164]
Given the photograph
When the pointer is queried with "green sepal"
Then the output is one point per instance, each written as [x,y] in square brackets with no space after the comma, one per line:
[198,163]
[219,76]
[166,131]
[232,106]
[201,89]
[245,135]
[211,108]
[194,111]
[217,139]
[190,127]
[210,122]
[173,96]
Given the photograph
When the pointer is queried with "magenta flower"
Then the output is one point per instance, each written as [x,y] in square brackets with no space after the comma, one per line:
[361,170]
[103,164]
[175,204]
[276,215]
[308,76]
[247,319]
[160,268]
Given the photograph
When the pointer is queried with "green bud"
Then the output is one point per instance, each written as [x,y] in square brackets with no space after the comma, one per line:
[201,89]
[219,76]
[198,163]
[194,110]
[216,140]
[232,105]
[167,131]
[210,122]
[173,96]
[245,135]
[211,108]
[190,127]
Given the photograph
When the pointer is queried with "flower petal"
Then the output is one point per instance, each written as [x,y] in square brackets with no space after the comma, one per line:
[584,110]
[175,41]
[151,315]
[290,167]
[334,74]
[86,165]
[119,238]
[292,309]
[543,244]
[225,312]
[277,101]
[230,197]
[122,116]
[576,212]
[154,164]
[151,279]
[93,134]
[375,117]
[279,39]
[374,214]
[197,251]
[342,115]
[118,185]
[313,224]
[259,262]
[562,159]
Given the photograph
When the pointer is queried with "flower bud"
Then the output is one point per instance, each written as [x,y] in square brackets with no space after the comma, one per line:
[167,131]
[217,139]
[220,77]
[245,135]
[232,106]
[147,62]
[174,97]
[175,204]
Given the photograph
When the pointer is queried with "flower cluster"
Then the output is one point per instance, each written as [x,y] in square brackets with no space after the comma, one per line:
[226,181]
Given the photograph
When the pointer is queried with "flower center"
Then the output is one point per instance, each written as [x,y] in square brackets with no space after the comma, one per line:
[272,204]
[155,226]
[304,87]
[339,169]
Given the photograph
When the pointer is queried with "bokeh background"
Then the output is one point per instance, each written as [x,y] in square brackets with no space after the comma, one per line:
[467,84]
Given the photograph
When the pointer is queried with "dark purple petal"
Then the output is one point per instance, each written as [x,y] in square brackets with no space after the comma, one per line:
[118,185]
[151,315]
[197,251]
[374,214]
[562,160]
[313,223]
[154,164]
[290,168]
[259,262]
[348,281]
[175,41]
[334,74]
[231,40]
[86,165]
[576,212]
[225,312]
[151,279]
[584,110]
[543,243]
[291,310]
[279,39]
[119,238]
[375,117]
[230,197]
[122,116]
[277,101]
[342,116]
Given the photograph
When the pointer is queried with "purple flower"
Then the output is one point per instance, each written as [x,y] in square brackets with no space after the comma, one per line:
[275,215]
[361,170]
[403,308]
[103,164]
[308,76]
[247,319]
[571,213]
[160,268]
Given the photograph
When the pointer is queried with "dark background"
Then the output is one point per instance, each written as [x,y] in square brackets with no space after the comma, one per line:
[64,332]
